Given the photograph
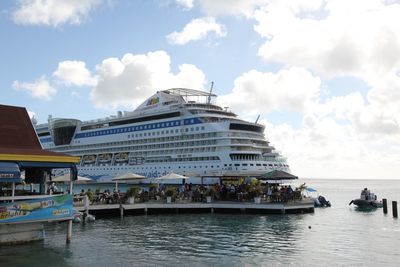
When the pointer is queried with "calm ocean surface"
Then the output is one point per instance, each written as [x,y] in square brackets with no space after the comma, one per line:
[339,236]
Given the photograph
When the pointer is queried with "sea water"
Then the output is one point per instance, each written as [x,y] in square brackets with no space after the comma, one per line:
[337,236]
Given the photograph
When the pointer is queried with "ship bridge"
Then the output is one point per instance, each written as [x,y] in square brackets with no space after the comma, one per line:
[63,130]
[174,96]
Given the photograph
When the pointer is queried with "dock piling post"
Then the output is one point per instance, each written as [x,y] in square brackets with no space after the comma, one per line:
[384,200]
[394,208]
[69,231]
[86,205]
[121,211]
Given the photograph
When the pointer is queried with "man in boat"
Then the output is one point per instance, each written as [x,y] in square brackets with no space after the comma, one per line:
[364,194]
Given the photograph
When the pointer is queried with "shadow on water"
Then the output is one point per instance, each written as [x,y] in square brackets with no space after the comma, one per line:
[366,209]
[33,254]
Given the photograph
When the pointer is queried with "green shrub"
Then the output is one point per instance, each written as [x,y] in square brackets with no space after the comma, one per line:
[133,191]
[170,192]
[210,192]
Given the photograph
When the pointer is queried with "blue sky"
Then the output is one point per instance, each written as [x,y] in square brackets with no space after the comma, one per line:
[323,74]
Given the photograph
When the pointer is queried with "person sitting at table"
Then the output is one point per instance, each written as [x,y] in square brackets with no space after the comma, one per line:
[232,191]
[53,189]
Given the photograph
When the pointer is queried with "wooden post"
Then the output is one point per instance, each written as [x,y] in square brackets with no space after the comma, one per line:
[87,202]
[69,231]
[71,186]
[121,211]
[13,191]
[384,200]
[394,208]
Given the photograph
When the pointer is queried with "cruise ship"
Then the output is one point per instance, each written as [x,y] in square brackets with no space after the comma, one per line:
[176,130]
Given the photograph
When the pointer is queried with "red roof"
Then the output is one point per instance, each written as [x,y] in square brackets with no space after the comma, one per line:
[17,135]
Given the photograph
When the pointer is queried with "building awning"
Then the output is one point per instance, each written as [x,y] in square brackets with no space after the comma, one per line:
[278,175]
[10,172]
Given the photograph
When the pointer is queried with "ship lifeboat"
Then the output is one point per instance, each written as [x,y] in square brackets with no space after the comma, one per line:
[121,157]
[89,159]
[104,158]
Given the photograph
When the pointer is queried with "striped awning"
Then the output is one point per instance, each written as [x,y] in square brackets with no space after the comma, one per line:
[9,172]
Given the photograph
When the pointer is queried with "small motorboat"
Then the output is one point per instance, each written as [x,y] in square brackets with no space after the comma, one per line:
[367,200]
[321,201]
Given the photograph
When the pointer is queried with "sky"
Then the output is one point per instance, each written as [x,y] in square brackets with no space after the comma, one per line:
[324,75]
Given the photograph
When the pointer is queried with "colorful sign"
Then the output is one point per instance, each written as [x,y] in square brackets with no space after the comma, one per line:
[43,209]
[152,101]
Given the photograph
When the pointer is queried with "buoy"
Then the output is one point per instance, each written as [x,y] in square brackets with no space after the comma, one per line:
[309,227]
[90,218]
[77,219]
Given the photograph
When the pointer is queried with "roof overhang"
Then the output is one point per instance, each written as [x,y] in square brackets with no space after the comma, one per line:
[39,158]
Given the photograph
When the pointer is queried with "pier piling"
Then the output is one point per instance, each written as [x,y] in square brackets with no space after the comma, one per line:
[86,203]
[384,200]
[121,211]
[69,231]
[394,208]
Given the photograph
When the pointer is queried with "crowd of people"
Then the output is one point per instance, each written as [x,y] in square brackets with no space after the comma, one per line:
[198,193]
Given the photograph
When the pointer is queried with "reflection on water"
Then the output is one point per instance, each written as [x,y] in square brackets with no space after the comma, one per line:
[175,238]
[340,235]
[34,254]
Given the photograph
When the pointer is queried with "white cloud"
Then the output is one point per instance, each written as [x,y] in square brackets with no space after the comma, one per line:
[75,94]
[133,78]
[41,88]
[323,148]
[289,89]
[333,38]
[196,30]
[31,114]
[349,136]
[229,7]
[74,73]
[188,4]
[52,12]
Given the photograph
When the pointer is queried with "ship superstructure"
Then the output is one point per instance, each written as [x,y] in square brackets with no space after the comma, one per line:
[178,130]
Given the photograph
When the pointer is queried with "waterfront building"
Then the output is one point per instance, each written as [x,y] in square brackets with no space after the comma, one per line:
[22,160]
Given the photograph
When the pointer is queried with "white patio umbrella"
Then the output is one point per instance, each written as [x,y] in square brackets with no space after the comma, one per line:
[172,176]
[127,177]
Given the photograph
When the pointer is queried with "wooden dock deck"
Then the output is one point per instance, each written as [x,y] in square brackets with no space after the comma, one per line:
[293,207]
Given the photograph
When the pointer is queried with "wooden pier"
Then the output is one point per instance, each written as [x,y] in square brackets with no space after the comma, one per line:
[293,207]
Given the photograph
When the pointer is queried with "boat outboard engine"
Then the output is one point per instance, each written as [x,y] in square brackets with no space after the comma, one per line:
[324,203]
